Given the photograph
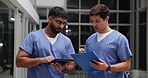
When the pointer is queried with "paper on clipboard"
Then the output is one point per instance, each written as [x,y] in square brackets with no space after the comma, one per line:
[83,59]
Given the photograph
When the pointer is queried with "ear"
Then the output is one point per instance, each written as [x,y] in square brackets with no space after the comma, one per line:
[49,18]
[107,18]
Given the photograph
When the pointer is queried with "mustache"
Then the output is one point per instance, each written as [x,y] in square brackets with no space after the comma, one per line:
[59,28]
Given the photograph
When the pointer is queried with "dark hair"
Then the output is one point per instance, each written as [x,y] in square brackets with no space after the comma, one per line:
[58,12]
[101,10]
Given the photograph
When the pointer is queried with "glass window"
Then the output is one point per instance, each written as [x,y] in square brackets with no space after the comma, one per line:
[86,31]
[85,18]
[87,4]
[125,30]
[72,4]
[42,13]
[142,47]
[124,4]
[72,31]
[113,27]
[142,17]
[73,17]
[44,24]
[113,18]
[6,42]
[112,4]
[124,17]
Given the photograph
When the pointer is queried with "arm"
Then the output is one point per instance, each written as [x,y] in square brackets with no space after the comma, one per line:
[23,60]
[119,67]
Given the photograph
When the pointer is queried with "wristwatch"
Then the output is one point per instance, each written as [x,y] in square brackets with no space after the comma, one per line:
[108,68]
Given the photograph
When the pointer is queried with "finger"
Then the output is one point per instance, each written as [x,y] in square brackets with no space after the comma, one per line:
[93,65]
[101,60]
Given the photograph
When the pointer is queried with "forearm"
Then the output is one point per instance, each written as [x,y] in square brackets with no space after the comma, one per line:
[120,67]
[26,62]
[123,66]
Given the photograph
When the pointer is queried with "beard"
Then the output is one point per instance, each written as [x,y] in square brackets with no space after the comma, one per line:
[54,29]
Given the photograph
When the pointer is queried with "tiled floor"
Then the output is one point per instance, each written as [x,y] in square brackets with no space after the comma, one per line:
[82,74]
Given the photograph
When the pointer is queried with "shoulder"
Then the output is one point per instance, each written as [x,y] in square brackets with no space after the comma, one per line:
[120,37]
[35,33]
[92,36]
[64,37]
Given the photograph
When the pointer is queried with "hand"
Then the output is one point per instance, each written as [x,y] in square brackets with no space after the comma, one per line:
[47,59]
[100,65]
[58,66]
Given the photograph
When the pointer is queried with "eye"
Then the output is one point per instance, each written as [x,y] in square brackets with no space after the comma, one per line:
[97,21]
[59,22]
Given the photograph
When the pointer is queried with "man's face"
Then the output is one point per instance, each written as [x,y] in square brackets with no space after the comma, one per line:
[99,24]
[57,25]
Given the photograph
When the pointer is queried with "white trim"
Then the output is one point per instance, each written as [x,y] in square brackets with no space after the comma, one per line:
[27,8]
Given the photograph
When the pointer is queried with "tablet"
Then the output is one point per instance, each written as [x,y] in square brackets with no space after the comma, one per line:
[61,61]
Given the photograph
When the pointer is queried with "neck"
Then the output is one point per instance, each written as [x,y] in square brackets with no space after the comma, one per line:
[108,29]
[49,32]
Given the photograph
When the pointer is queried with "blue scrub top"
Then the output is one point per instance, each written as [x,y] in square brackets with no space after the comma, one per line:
[113,49]
[37,45]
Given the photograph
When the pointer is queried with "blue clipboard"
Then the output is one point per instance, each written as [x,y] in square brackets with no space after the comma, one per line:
[83,59]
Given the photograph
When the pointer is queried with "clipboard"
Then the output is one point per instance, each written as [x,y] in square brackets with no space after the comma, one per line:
[61,61]
[83,59]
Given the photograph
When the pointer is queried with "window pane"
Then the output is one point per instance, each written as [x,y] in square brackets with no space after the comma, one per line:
[142,17]
[72,31]
[44,24]
[72,4]
[113,18]
[125,30]
[112,4]
[42,13]
[113,27]
[87,4]
[142,47]
[86,31]
[124,17]
[85,18]
[6,42]
[73,17]
[124,4]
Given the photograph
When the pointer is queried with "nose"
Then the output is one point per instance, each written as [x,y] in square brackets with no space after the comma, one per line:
[61,25]
[94,23]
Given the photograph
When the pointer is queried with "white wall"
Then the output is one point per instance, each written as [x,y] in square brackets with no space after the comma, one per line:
[51,3]
[27,8]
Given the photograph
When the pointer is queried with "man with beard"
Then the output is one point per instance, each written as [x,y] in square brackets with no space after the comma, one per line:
[43,46]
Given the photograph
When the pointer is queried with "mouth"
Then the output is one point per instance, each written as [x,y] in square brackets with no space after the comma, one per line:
[59,29]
